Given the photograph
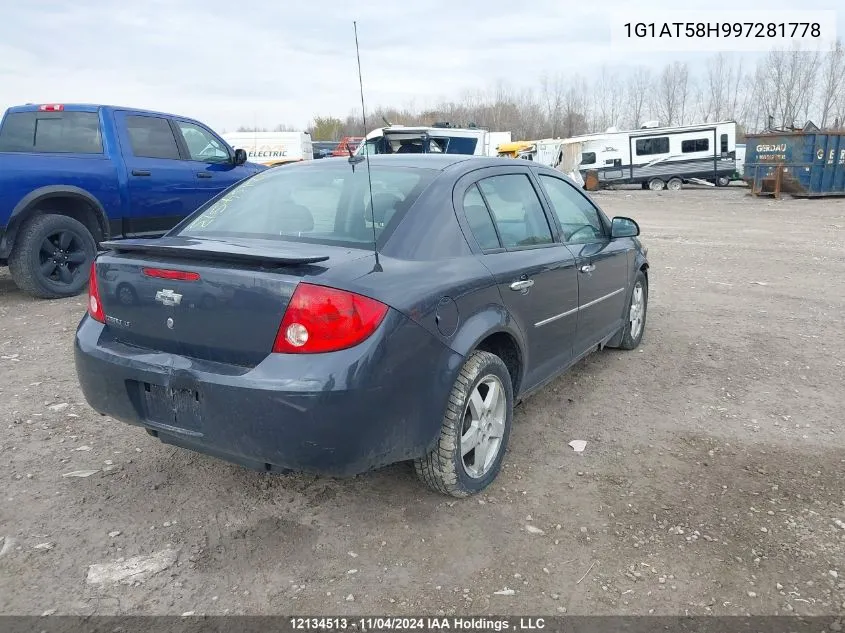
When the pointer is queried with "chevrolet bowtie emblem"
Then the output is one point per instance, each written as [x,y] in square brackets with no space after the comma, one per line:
[168,297]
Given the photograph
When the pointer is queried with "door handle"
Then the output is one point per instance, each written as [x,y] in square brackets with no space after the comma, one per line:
[588,268]
[523,284]
[203,174]
[140,172]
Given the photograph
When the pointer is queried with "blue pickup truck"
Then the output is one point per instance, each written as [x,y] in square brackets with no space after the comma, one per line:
[72,176]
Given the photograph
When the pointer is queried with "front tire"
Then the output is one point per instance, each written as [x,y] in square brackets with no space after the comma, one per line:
[475,429]
[632,334]
[723,181]
[52,257]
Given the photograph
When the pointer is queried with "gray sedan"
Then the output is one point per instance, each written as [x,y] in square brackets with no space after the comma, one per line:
[339,315]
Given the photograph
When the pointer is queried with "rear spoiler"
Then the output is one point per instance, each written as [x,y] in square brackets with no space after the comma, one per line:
[213,250]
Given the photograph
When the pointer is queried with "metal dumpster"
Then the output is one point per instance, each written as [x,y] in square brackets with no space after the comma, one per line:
[801,163]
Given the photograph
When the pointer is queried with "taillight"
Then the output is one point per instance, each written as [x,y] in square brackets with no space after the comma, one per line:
[181,275]
[95,306]
[320,319]
[51,107]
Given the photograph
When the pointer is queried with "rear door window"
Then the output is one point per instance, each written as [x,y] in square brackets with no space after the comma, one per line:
[52,132]
[479,220]
[517,210]
[151,137]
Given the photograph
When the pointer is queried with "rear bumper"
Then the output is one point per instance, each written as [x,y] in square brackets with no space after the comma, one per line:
[337,414]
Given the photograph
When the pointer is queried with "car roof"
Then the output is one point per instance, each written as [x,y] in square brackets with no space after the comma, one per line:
[437,162]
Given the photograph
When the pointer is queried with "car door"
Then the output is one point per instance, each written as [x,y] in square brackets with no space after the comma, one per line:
[159,183]
[210,159]
[602,263]
[535,274]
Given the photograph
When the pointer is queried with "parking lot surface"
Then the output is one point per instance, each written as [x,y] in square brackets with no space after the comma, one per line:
[711,482]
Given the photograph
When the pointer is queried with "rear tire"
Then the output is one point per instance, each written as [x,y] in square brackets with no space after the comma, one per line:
[655,184]
[674,184]
[52,257]
[475,429]
[723,181]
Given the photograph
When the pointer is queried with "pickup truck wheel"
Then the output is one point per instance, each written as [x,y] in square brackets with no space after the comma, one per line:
[52,256]
[475,429]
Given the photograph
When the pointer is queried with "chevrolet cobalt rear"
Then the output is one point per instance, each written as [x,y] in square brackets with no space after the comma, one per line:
[335,317]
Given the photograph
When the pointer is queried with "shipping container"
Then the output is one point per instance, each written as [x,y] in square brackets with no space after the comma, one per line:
[801,163]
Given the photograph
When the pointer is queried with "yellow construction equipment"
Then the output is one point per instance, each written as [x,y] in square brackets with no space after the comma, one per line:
[512,150]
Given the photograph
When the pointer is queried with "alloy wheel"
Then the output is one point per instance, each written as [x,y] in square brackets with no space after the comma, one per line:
[62,256]
[483,427]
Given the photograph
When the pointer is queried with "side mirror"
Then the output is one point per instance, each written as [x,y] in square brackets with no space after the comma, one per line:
[240,156]
[623,227]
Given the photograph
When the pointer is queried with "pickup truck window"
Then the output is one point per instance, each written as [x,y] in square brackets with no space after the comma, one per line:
[202,145]
[60,132]
[151,137]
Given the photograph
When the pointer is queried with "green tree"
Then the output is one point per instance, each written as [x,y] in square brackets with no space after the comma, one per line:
[326,128]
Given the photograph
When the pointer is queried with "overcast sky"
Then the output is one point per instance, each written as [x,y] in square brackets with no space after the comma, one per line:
[230,63]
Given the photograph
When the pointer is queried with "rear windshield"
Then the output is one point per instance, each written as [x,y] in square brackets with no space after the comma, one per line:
[60,132]
[319,203]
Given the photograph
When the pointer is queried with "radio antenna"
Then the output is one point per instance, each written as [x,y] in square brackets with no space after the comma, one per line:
[377,267]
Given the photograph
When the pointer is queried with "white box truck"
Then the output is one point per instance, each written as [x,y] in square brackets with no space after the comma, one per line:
[273,148]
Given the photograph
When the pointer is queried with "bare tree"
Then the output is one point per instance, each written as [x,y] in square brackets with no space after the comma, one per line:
[575,108]
[832,103]
[552,91]
[791,86]
[609,96]
[673,92]
[718,82]
[639,96]
[785,86]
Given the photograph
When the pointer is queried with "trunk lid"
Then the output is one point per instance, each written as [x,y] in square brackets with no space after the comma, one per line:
[226,301]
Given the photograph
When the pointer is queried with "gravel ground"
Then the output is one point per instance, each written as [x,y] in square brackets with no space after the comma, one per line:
[711,483]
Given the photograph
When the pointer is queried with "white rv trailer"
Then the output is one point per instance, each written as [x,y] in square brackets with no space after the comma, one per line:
[437,139]
[657,157]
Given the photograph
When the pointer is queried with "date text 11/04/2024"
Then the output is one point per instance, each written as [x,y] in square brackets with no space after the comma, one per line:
[723,29]
[375,624]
